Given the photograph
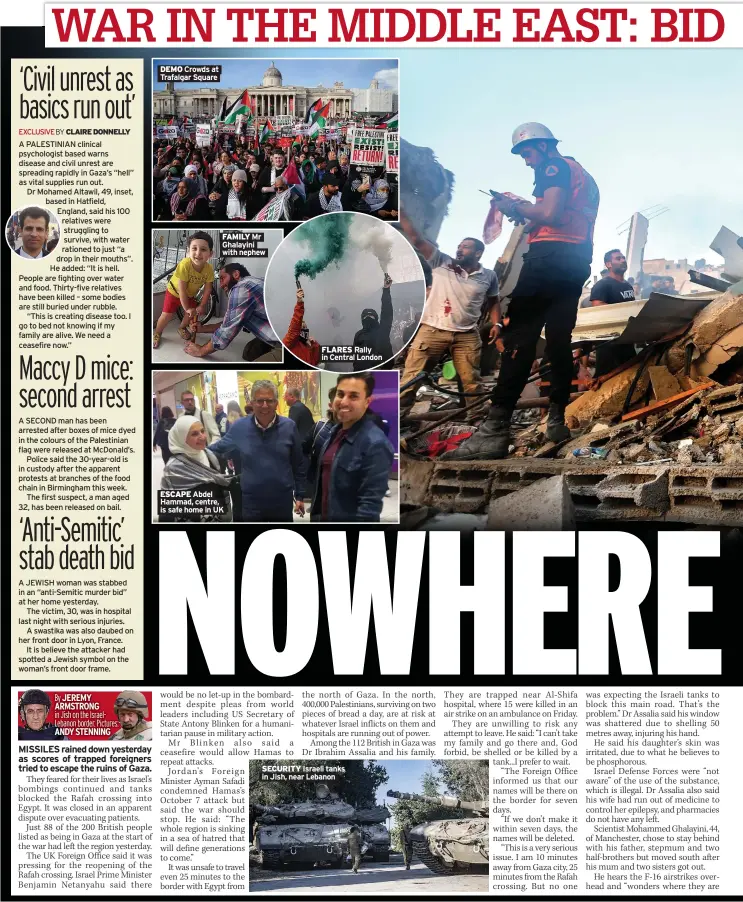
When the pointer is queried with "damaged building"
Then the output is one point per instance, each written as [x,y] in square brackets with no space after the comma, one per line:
[658,437]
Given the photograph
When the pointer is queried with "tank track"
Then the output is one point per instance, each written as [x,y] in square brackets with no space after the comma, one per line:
[433,863]
[271,860]
[380,853]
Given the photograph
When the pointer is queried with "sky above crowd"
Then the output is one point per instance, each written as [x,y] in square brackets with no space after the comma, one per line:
[243,73]
[653,127]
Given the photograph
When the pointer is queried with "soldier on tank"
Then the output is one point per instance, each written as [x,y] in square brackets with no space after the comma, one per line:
[33,707]
[354,848]
[132,712]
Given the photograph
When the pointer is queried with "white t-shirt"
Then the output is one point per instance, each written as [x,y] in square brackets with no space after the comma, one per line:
[456,297]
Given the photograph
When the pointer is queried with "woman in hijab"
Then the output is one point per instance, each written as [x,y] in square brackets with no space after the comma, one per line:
[187,203]
[236,206]
[192,171]
[345,166]
[220,192]
[379,200]
[160,439]
[308,174]
[193,467]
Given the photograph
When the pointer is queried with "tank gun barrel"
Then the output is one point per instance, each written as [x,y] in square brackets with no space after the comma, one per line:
[444,801]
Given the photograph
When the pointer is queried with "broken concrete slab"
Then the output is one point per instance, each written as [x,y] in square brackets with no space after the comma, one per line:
[664,383]
[415,476]
[545,505]
[608,400]
[720,316]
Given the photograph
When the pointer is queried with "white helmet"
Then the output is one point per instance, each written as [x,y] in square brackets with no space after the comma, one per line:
[530,131]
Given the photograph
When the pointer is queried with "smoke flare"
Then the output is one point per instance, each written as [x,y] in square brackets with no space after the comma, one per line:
[327,237]
[376,239]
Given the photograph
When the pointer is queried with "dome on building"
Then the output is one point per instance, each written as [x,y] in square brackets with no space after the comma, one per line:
[272,78]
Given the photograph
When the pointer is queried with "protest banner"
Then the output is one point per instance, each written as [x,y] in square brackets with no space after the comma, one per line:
[368,147]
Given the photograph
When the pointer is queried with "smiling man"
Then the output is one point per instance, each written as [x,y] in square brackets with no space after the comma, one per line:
[33,707]
[273,468]
[355,460]
[34,223]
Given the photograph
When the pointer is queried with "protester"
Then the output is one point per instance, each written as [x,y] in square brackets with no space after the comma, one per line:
[326,200]
[374,335]
[160,439]
[355,460]
[284,204]
[461,291]
[272,172]
[193,467]
[34,226]
[246,310]
[220,192]
[298,339]
[186,202]
[132,711]
[272,465]
[193,273]
[193,172]
[33,707]
[203,416]
[554,270]
[237,200]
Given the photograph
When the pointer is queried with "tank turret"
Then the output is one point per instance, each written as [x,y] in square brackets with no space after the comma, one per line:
[448,846]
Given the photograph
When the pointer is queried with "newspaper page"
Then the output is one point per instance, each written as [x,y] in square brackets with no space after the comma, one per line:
[374,498]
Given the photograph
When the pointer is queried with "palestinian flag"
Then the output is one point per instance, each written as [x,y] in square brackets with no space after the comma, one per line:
[316,107]
[266,132]
[388,121]
[223,112]
[240,107]
[171,121]
[292,179]
[319,119]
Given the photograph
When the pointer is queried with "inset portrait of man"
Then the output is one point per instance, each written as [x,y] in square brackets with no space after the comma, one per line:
[131,710]
[33,708]
[32,233]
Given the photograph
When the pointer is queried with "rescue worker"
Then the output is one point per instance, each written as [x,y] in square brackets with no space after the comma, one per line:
[556,266]
[407,847]
[34,706]
[132,712]
[354,849]
[374,333]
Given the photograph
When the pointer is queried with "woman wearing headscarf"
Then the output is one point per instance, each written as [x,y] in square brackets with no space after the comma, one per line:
[192,467]
[220,191]
[345,166]
[236,206]
[308,174]
[256,198]
[187,203]
[379,200]
[160,438]
[193,172]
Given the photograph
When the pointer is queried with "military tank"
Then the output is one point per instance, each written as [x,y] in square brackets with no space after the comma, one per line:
[316,832]
[447,846]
